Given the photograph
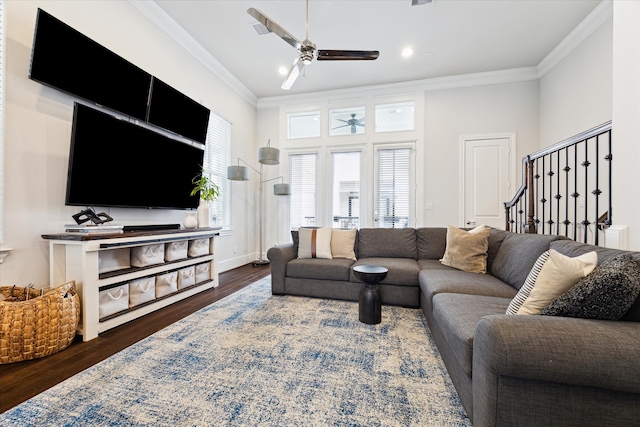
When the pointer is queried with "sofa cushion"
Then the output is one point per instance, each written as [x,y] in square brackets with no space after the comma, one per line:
[496,237]
[517,254]
[434,264]
[573,248]
[457,315]
[327,269]
[467,250]
[558,274]
[438,281]
[402,271]
[387,243]
[605,294]
[314,243]
[529,283]
[343,243]
[431,242]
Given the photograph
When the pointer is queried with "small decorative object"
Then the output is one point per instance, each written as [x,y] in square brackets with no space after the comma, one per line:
[203,214]
[190,220]
[208,190]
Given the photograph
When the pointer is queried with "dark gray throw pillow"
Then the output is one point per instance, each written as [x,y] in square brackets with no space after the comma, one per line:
[605,294]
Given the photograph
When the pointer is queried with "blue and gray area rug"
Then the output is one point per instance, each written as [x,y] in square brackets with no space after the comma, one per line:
[253,359]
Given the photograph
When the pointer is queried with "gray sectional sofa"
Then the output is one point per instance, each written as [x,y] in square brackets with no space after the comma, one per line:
[509,370]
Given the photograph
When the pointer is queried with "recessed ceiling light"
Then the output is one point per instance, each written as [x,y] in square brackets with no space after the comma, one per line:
[283,70]
[407,52]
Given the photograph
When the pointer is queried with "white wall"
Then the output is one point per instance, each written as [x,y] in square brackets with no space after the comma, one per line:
[626,119]
[449,114]
[442,117]
[38,129]
[576,94]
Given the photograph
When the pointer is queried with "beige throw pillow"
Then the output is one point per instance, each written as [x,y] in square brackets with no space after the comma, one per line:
[558,274]
[467,250]
[314,243]
[342,243]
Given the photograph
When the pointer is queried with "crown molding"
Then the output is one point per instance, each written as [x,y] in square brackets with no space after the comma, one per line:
[591,23]
[438,83]
[162,20]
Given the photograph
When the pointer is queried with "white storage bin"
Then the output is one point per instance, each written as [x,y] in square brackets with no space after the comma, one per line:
[113,259]
[175,250]
[166,283]
[186,277]
[202,272]
[113,300]
[198,247]
[142,290]
[142,256]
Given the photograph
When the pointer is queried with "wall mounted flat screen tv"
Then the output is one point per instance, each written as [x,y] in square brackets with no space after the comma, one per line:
[116,163]
[173,110]
[68,60]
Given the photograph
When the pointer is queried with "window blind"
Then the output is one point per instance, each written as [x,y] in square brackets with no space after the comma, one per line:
[217,156]
[393,186]
[303,189]
[346,189]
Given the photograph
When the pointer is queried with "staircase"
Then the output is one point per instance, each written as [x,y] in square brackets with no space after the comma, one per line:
[566,189]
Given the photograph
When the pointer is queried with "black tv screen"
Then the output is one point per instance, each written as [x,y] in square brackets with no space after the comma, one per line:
[172,110]
[116,163]
[67,60]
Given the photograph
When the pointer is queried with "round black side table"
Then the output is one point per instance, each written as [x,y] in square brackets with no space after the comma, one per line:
[370,301]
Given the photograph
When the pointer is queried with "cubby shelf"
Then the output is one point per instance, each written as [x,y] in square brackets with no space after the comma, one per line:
[76,257]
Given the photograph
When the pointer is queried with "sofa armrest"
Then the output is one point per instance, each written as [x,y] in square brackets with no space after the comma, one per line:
[555,350]
[279,256]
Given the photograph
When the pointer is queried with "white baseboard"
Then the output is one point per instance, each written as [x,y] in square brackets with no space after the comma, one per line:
[230,264]
[616,237]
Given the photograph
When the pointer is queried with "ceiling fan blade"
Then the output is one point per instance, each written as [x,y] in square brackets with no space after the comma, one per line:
[336,55]
[294,72]
[273,27]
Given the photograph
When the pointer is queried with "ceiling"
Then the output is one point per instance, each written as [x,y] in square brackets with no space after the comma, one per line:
[448,37]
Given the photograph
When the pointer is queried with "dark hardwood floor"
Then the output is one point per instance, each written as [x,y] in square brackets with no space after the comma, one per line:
[23,380]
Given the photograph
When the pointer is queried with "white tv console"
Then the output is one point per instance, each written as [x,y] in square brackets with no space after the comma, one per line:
[76,257]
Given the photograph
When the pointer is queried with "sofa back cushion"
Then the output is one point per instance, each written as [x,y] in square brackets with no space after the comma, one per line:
[517,254]
[573,249]
[432,242]
[387,243]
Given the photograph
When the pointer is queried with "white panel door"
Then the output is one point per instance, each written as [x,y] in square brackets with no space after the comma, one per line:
[488,166]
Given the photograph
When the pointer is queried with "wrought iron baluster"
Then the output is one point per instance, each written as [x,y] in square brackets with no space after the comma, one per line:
[596,192]
[566,169]
[585,164]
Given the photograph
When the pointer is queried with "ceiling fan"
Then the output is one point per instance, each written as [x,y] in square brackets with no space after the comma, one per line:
[352,122]
[306,49]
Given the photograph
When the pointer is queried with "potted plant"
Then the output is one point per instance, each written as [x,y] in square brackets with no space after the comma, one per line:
[209,191]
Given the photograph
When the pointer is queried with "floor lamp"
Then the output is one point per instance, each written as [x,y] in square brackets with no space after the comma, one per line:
[266,156]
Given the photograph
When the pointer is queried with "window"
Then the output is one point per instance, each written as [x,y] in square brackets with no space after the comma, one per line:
[217,155]
[304,125]
[395,117]
[393,188]
[346,121]
[346,189]
[303,189]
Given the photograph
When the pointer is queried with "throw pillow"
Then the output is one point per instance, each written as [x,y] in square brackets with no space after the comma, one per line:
[529,283]
[342,243]
[314,243]
[557,276]
[606,294]
[467,250]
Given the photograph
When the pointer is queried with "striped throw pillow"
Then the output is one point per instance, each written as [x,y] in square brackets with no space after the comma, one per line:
[529,283]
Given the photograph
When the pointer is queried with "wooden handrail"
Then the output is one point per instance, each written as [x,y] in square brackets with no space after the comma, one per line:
[534,183]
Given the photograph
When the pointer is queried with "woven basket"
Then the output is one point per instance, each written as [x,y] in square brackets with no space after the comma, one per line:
[38,326]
